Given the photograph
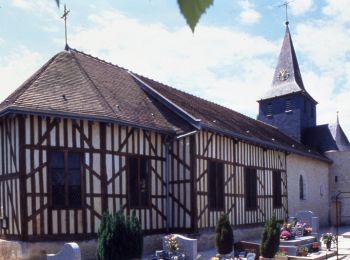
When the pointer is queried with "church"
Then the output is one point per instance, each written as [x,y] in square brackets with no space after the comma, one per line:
[83,136]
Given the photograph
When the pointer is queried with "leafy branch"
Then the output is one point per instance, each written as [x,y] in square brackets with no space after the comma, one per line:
[191,10]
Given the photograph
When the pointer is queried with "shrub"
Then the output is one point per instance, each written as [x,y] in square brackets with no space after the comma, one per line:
[224,235]
[119,237]
[270,239]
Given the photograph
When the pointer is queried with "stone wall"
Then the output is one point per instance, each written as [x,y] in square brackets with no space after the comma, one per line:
[18,250]
[316,188]
[339,181]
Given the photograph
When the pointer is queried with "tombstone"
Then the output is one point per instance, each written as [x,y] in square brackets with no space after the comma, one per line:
[188,246]
[70,251]
[309,218]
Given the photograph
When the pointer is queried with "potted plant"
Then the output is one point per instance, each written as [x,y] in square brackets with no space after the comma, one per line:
[224,235]
[270,239]
[303,251]
[281,254]
[315,247]
[327,239]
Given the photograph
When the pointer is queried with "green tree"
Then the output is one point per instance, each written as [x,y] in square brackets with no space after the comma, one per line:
[224,235]
[119,237]
[270,238]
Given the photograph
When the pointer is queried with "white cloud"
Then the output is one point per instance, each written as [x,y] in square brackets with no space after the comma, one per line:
[300,7]
[248,14]
[46,8]
[16,67]
[238,62]
[338,10]
[324,44]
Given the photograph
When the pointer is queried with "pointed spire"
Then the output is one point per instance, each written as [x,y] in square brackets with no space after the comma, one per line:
[287,69]
[287,77]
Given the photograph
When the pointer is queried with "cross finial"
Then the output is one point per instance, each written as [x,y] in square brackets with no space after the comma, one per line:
[286,4]
[64,17]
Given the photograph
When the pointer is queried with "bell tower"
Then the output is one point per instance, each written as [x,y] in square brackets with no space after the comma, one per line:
[287,105]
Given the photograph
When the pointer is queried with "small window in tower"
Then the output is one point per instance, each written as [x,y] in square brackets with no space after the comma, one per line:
[289,106]
[269,110]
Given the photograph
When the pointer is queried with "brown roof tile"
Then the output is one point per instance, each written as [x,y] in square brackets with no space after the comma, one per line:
[76,84]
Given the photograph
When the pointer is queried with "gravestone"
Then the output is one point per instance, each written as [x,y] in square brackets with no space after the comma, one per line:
[188,246]
[309,218]
[70,251]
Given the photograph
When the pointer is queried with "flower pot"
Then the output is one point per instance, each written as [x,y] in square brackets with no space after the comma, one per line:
[281,257]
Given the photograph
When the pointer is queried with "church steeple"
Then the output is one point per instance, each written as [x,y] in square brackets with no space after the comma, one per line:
[287,105]
[287,77]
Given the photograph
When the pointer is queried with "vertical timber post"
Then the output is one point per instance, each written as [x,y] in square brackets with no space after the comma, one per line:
[22,176]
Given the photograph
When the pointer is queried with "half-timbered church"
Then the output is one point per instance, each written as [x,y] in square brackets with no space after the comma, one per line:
[83,136]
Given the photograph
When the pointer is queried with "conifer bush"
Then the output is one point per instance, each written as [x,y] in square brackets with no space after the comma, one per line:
[119,237]
[270,238]
[224,235]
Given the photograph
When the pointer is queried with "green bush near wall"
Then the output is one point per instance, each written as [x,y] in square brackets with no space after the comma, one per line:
[119,237]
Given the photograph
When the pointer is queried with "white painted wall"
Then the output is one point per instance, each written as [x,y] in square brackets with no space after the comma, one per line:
[340,169]
[315,174]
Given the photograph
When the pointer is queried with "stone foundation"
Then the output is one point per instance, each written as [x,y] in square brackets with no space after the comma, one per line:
[18,250]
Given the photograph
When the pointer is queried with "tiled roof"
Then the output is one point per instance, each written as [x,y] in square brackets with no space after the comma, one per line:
[226,121]
[287,77]
[80,85]
[328,137]
[76,84]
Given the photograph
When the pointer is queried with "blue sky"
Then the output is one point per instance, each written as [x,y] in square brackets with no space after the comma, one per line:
[229,59]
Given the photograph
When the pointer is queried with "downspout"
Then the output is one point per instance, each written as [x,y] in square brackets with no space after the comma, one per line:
[169,140]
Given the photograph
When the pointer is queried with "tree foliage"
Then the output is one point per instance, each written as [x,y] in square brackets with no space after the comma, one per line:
[119,237]
[270,238]
[224,235]
[191,10]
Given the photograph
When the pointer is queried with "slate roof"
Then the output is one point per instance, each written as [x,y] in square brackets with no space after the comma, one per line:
[327,137]
[287,62]
[75,84]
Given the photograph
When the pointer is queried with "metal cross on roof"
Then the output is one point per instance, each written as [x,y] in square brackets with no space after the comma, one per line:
[64,16]
[285,4]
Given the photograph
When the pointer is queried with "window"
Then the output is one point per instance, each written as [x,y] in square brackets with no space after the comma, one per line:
[289,105]
[301,188]
[277,189]
[65,173]
[139,184]
[216,185]
[250,182]
[269,110]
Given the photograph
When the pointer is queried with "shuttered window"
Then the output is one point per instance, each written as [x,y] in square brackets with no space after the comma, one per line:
[65,177]
[250,181]
[139,182]
[277,189]
[216,185]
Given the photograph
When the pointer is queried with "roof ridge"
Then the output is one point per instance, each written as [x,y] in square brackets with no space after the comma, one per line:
[208,101]
[21,89]
[86,75]
[97,58]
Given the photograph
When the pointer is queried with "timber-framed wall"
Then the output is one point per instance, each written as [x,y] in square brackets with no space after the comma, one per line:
[236,156]
[178,177]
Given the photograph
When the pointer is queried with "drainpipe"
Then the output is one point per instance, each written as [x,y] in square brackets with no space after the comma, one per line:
[170,140]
